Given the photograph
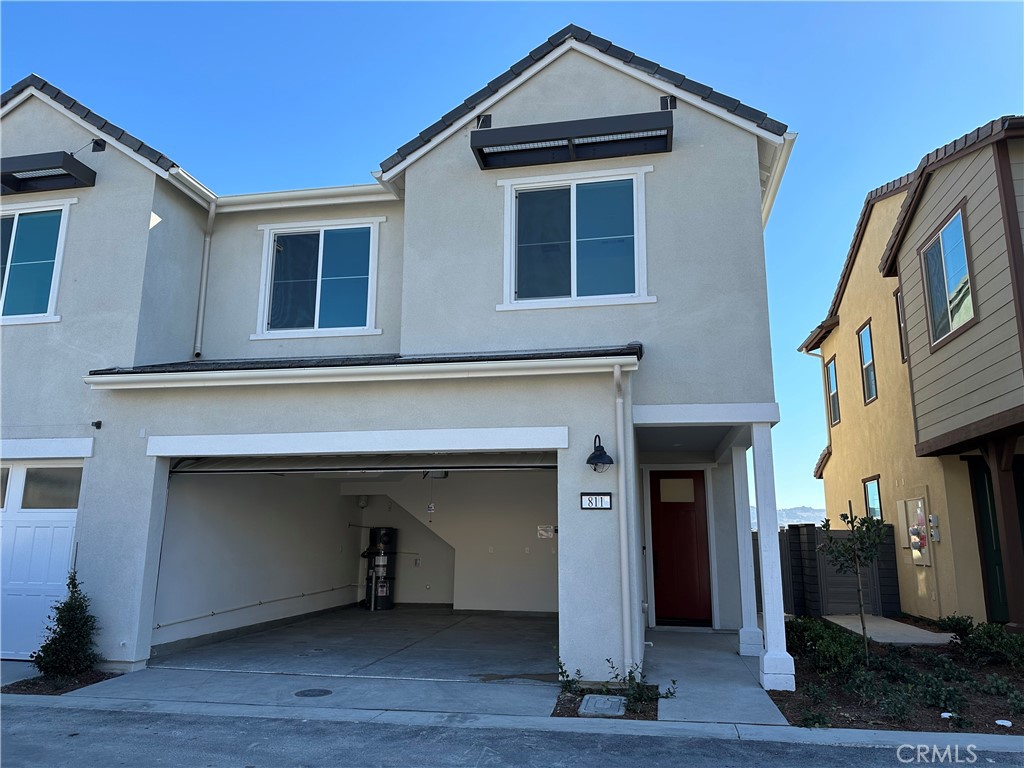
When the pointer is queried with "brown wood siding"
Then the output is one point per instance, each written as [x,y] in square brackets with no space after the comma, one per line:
[979,373]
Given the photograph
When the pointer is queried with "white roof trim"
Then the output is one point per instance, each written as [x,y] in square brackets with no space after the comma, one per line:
[775,176]
[724,414]
[111,141]
[573,45]
[300,198]
[341,443]
[363,373]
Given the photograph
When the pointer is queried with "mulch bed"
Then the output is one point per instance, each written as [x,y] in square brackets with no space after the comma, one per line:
[568,705]
[46,686]
[839,709]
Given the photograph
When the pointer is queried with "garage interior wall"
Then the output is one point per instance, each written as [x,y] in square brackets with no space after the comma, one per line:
[234,540]
[490,520]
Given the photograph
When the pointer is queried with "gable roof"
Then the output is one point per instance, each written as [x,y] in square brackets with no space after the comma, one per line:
[580,35]
[101,124]
[816,337]
[1008,126]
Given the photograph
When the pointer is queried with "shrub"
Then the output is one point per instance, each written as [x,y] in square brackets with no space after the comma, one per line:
[570,683]
[934,692]
[634,686]
[865,685]
[948,670]
[68,648]
[1016,703]
[815,720]
[960,626]
[992,644]
[828,647]
[815,693]
[896,702]
[997,685]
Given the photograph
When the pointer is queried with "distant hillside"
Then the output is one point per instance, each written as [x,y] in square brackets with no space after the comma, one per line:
[792,516]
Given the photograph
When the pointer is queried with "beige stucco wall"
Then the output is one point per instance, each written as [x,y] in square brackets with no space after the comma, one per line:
[878,439]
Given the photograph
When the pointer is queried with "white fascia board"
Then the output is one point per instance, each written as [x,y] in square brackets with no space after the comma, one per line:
[192,187]
[572,45]
[775,176]
[422,372]
[111,141]
[296,198]
[47,448]
[373,441]
[683,414]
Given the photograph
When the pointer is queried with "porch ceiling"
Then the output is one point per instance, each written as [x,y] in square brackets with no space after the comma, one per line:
[680,439]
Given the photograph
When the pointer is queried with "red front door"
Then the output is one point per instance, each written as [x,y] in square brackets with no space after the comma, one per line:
[679,535]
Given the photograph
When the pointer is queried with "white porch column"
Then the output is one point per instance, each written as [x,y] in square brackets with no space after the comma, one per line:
[751,639]
[777,671]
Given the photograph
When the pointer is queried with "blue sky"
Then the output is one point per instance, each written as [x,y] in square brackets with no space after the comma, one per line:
[259,96]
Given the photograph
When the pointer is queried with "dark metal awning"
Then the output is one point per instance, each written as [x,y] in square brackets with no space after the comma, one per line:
[592,139]
[365,463]
[44,173]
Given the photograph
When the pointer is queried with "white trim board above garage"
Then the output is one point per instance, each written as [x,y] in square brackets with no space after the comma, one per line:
[366,464]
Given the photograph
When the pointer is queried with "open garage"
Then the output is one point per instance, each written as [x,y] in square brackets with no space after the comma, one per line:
[268,564]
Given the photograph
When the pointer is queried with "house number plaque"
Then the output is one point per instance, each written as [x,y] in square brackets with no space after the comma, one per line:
[595,501]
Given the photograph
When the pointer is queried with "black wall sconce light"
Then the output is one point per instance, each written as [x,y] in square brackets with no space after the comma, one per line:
[599,460]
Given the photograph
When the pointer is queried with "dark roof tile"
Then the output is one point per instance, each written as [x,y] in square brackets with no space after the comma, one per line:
[411,146]
[67,102]
[574,32]
[723,101]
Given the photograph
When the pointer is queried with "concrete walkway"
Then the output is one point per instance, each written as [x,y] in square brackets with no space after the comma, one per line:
[883,630]
[713,683]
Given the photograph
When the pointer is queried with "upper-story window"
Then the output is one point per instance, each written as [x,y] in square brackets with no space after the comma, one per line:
[947,278]
[31,247]
[319,279]
[867,363]
[832,387]
[575,239]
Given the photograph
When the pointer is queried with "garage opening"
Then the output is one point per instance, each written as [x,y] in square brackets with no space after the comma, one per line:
[269,559]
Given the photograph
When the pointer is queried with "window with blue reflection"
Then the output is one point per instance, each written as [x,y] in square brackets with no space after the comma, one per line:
[872,499]
[320,279]
[29,246]
[947,279]
[867,364]
[582,229]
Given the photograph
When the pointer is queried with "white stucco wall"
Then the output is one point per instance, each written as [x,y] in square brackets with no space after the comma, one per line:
[476,512]
[230,541]
[705,257]
[100,283]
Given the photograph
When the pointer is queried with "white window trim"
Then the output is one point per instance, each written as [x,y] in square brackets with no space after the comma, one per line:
[511,186]
[263,317]
[64,206]
[12,504]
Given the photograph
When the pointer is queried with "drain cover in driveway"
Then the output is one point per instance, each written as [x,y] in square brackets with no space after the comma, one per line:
[311,693]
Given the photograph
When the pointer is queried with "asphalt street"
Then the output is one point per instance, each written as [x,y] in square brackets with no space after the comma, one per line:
[36,736]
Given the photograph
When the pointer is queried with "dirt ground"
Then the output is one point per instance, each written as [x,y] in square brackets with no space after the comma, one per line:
[42,686]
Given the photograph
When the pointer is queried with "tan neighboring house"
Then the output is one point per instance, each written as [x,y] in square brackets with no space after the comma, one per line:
[923,376]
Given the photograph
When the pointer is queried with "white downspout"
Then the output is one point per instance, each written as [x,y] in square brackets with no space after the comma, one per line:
[620,453]
[204,276]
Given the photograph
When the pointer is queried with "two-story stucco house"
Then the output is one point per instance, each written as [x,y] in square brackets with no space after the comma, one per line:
[924,385]
[207,399]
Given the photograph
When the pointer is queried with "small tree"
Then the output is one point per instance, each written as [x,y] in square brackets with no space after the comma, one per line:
[68,648]
[853,553]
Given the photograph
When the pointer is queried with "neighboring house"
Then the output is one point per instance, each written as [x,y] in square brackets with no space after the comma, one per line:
[922,368]
[267,374]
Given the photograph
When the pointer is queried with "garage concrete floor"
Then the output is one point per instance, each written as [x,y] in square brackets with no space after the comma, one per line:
[400,644]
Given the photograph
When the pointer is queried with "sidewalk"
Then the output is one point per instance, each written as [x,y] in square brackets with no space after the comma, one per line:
[883,630]
[723,731]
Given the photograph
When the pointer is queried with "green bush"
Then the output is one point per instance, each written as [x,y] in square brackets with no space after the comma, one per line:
[997,685]
[865,685]
[68,648]
[960,626]
[948,670]
[896,703]
[570,683]
[935,692]
[1016,703]
[828,647]
[992,644]
[815,692]
[634,686]
[815,720]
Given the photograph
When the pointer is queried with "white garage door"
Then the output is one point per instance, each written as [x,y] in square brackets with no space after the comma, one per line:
[37,530]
